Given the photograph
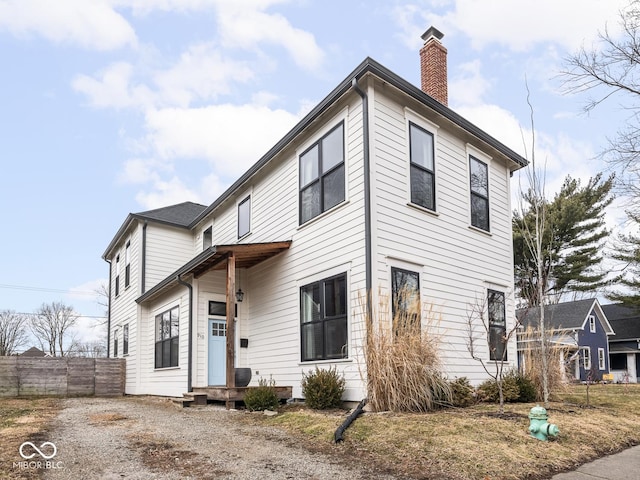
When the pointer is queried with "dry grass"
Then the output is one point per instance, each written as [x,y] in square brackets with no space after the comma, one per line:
[533,362]
[476,443]
[22,420]
[403,364]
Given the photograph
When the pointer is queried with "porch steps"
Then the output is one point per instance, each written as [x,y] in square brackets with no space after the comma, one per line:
[189,399]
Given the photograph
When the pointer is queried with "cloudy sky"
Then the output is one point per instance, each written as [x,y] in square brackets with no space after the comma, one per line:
[116,106]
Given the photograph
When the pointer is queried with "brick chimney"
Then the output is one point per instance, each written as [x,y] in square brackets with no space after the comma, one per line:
[433,65]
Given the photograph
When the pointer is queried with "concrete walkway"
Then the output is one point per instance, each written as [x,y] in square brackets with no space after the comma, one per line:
[621,466]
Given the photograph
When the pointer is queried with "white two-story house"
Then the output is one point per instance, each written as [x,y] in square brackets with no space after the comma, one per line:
[380,187]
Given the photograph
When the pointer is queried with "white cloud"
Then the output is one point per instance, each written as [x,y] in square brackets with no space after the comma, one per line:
[468,87]
[230,137]
[166,192]
[518,26]
[202,73]
[87,24]
[250,28]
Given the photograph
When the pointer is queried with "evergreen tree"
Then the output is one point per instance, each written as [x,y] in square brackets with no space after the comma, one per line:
[629,252]
[572,237]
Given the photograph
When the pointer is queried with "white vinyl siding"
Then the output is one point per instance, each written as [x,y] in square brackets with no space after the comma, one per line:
[168,249]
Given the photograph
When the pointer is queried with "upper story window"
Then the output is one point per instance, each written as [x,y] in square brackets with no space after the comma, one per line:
[127,264]
[244,217]
[479,180]
[322,175]
[592,323]
[423,178]
[323,318]
[497,325]
[167,338]
[207,238]
[405,300]
[117,286]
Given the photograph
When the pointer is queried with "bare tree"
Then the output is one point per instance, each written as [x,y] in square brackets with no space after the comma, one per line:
[497,344]
[102,293]
[13,331]
[51,325]
[95,349]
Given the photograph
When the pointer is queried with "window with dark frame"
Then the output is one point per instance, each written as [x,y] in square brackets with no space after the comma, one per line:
[405,299]
[322,175]
[479,185]
[244,217]
[323,318]
[116,332]
[207,238]
[117,285]
[167,337]
[127,264]
[422,166]
[125,340]
[497,325]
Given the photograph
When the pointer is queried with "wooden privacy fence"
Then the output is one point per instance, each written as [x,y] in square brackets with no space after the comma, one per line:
[28,376]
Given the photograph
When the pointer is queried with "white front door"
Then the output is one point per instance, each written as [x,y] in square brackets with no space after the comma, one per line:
[217,351]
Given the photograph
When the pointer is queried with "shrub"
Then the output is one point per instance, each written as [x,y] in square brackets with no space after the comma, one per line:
[323,389]
[526,388]
[488,390]
[263,397]
[461,392]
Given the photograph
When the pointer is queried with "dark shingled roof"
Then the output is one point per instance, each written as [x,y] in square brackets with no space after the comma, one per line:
[181,214]
[624,320]
[567,315]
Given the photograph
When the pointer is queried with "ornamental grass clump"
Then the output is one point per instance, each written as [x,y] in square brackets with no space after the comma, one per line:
[263,397]
[323,389]
[403,366]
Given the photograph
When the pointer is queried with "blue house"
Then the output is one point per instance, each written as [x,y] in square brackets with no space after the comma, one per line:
[581,328]
[624,346]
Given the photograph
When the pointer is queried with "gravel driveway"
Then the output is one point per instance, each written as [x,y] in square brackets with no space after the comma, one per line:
[147,438]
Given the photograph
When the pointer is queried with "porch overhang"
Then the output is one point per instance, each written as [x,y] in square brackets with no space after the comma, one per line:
[246,255]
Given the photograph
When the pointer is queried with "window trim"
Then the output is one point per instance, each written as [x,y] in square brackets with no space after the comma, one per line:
[117,280]
[125,339]
[393,293]
[502,326]
[413,165]
[473,157]
[602,363]
[246,199]
[586,358]
[168,340]
[592,323]
[207,232]
[321,175]
[127,264]
[116,333]
[344,355]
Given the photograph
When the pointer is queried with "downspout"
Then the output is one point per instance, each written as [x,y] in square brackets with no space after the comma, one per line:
[143,274]
[109,311]
[367,192]
[190,353]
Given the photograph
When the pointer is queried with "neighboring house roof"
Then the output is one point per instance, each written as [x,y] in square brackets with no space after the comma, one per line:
[624,320]
[371,67]
[180,215]
[565,316]
[33,352]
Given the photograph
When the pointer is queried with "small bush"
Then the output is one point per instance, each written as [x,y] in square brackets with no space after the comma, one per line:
[461,392]
[526,387]
[323,389]
[489,392]
[263,397]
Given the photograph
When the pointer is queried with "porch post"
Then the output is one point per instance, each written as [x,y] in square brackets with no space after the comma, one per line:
[231,340]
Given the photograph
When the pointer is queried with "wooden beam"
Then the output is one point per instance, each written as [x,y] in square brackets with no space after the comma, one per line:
[231,336]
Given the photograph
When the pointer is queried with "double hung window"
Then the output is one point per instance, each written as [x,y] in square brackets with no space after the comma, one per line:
[167,337]
[322,175]
[423,178]
[479,179]
[323,318]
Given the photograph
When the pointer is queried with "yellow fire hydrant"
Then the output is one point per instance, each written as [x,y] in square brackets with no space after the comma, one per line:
[539,427]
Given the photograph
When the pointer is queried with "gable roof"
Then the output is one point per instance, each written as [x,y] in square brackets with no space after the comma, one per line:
[367,67]
[33,352]
[566,315]
[180,215]
[624,320]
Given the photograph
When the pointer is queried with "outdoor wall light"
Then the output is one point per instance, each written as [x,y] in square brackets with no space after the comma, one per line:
[239,295]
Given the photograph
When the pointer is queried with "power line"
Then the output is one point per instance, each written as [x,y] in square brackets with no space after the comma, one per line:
[78,314]
[51,290]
